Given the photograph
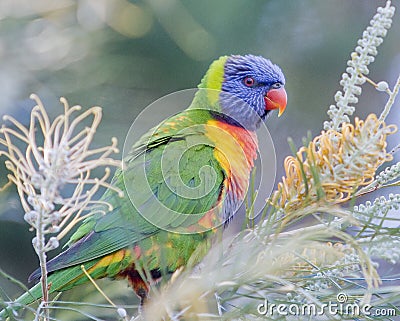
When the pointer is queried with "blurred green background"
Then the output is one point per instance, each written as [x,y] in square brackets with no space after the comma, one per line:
[122,55]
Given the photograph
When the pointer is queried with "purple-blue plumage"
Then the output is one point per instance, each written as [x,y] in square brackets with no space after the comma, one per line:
[262,75]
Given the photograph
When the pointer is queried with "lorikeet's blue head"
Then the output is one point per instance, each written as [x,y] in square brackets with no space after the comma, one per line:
[251,86]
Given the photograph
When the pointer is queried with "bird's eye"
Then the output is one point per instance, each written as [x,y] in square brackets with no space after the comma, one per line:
[276,85]
[249,81]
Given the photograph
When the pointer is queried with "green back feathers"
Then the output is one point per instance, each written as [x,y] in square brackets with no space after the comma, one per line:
[182,134]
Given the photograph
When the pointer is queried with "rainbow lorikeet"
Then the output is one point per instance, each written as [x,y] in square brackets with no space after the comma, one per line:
[210,144]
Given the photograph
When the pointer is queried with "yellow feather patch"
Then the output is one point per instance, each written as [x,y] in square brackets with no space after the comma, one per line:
[108,260]
[213,79]
[215,74]
[235,150]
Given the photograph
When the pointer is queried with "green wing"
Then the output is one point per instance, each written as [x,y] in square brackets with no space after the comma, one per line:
[170,171]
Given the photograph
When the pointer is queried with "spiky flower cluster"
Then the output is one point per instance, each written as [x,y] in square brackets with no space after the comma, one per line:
[385,247]
[358,67]
[42,173]
[378,209]
[388,174]
[334,164]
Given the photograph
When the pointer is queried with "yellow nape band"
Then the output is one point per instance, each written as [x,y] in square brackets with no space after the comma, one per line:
[213,79]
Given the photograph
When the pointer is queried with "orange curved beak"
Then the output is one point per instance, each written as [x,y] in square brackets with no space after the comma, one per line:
[276,99]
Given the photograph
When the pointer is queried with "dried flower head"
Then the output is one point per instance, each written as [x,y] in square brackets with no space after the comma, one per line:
[336,163]
[44,172]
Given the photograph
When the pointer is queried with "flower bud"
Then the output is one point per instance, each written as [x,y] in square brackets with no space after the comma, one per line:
[52,243]
[31,217]
[122,312]
[382,86]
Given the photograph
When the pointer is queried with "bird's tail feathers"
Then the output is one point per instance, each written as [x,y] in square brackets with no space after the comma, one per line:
[58,281]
